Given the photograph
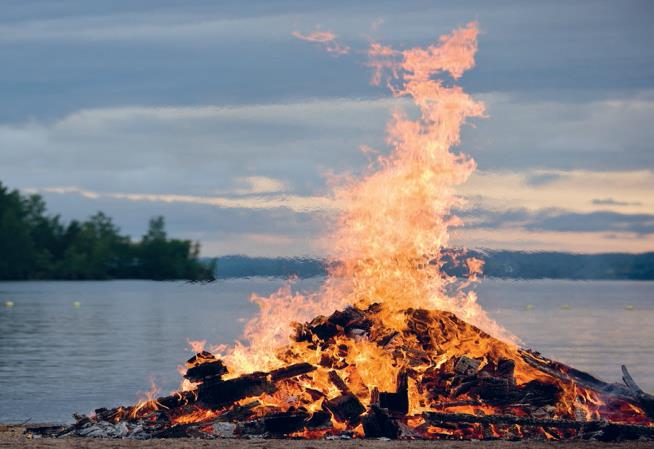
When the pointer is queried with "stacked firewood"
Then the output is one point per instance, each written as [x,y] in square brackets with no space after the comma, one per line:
[451,380]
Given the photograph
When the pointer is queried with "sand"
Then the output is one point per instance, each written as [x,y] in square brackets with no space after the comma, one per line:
[13,437]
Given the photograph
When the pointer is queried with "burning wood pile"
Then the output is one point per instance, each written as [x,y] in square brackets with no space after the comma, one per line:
[446,380]
[408,357]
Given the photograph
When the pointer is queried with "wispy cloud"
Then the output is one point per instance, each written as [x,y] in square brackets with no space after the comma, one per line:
[574,190]
[326,38]
[528,240]
[613,202]
[560,220]
[252,185]
[293,202]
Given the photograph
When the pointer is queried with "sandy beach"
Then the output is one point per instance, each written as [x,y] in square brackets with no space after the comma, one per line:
[14,437]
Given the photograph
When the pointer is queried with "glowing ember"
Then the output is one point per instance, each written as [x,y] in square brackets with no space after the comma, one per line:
[391,346]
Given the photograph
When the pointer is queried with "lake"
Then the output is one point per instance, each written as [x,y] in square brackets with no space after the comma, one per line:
[75,346]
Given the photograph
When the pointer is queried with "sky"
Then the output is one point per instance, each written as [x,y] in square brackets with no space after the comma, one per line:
[217,116]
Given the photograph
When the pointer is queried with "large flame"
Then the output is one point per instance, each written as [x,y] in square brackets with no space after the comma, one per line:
[394,220]
[407,328]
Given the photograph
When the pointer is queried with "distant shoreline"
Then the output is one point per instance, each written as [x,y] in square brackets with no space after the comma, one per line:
[497,264]
[515,265]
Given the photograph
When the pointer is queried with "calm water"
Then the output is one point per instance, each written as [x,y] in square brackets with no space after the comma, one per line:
[56,358]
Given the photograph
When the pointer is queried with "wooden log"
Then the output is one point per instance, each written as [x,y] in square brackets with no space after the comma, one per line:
[495,391]
[319,419]
[199,373]
[239,412]
[374,396]
[457,403]
[610,431]
[294,370]
[377,423]
[283,423]
[467,366]
[419,323]
[570,375]
[200,358]
[314,394]
[397,402]
[349,317]
[346,408]
[539,394]
[338,382]
[178,399]
[645,400]
[387,338]
[191,430]
[215,395]
[506,370]
[565,373]
[323,329]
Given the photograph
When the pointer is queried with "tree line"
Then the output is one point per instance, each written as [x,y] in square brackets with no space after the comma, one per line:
[37,245]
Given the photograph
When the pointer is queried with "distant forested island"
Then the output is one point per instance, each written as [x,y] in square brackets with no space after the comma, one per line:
[36,245]
[499,264]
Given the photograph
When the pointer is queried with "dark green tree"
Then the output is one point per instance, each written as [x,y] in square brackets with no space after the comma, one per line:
[34,244]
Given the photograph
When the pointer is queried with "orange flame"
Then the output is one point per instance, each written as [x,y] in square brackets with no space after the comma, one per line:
[394,221]
[415,325]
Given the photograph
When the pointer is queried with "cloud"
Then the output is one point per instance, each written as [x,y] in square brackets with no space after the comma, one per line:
[572,190]
[200,149]
[251,202]
[541,179]
[158,27]
[259,185]
[608,134]
[217,108]
[558,220]
[194,150]
[272,224]
[326,38]
[592,222]
[269,231]
[612,202]
[521,239]
[79,54]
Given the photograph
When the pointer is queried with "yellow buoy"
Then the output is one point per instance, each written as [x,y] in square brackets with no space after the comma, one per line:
[566,307]
[529,307]
[629,307]
[9,304]
[77,304]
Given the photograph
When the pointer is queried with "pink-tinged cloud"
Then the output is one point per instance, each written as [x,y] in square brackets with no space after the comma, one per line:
[327,39]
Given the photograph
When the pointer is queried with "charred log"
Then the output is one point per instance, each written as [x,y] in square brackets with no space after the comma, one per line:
[319,419]
[397,402]
[338,382]
[291,371]
[199,373]
[346,408]
[609,431]
[645,400]
[284,423]
[215,395]
[377,423]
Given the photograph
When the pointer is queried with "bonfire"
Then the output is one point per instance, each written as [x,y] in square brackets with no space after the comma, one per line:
[390,346]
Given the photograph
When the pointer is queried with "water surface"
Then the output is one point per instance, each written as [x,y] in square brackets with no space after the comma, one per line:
[76,346]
